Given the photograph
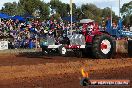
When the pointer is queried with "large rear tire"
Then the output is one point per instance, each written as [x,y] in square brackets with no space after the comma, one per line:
[103,46]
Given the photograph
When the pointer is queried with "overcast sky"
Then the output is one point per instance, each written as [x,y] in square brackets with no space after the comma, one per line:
[99,3]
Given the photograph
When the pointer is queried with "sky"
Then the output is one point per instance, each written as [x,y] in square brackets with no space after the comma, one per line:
[99,3]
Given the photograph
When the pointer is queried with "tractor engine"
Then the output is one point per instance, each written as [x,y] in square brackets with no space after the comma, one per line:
[77,39]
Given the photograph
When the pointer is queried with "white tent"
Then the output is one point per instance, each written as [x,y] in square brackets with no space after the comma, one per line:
[86,21]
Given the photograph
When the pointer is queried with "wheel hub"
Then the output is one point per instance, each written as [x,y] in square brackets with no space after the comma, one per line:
[63,50]
[105,46]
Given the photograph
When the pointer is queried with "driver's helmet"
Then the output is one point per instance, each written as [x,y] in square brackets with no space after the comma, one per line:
[90,27]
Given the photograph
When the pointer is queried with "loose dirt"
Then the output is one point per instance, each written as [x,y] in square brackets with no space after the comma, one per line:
[33,70]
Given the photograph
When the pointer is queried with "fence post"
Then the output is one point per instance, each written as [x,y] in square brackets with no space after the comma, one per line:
[36,42]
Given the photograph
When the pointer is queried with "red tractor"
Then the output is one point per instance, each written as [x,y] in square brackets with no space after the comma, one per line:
[91,39]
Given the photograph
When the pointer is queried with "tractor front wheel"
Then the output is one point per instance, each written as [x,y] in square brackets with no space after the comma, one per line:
[63,50]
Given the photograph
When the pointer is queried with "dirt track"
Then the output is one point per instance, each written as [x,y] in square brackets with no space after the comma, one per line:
[31,70]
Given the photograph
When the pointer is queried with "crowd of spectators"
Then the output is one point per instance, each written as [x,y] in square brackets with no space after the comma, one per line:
[30,33]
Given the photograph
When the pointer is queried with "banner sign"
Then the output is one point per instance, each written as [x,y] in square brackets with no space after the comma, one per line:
[3,45]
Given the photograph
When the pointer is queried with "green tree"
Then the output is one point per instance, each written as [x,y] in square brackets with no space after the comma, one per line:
[20,10]
[30,6]
[10,8]
[91,11]
[106,12]
[55,4]
[61,8]
[27,7]
[126,12]
[44,10]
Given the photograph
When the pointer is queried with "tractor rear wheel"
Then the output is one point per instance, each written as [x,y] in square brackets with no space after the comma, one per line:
[103,46]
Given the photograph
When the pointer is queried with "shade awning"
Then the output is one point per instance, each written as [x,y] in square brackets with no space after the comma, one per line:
[18,18]
[5,16]
[69,19]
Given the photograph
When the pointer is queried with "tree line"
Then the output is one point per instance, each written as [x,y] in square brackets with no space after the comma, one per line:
[43,10]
